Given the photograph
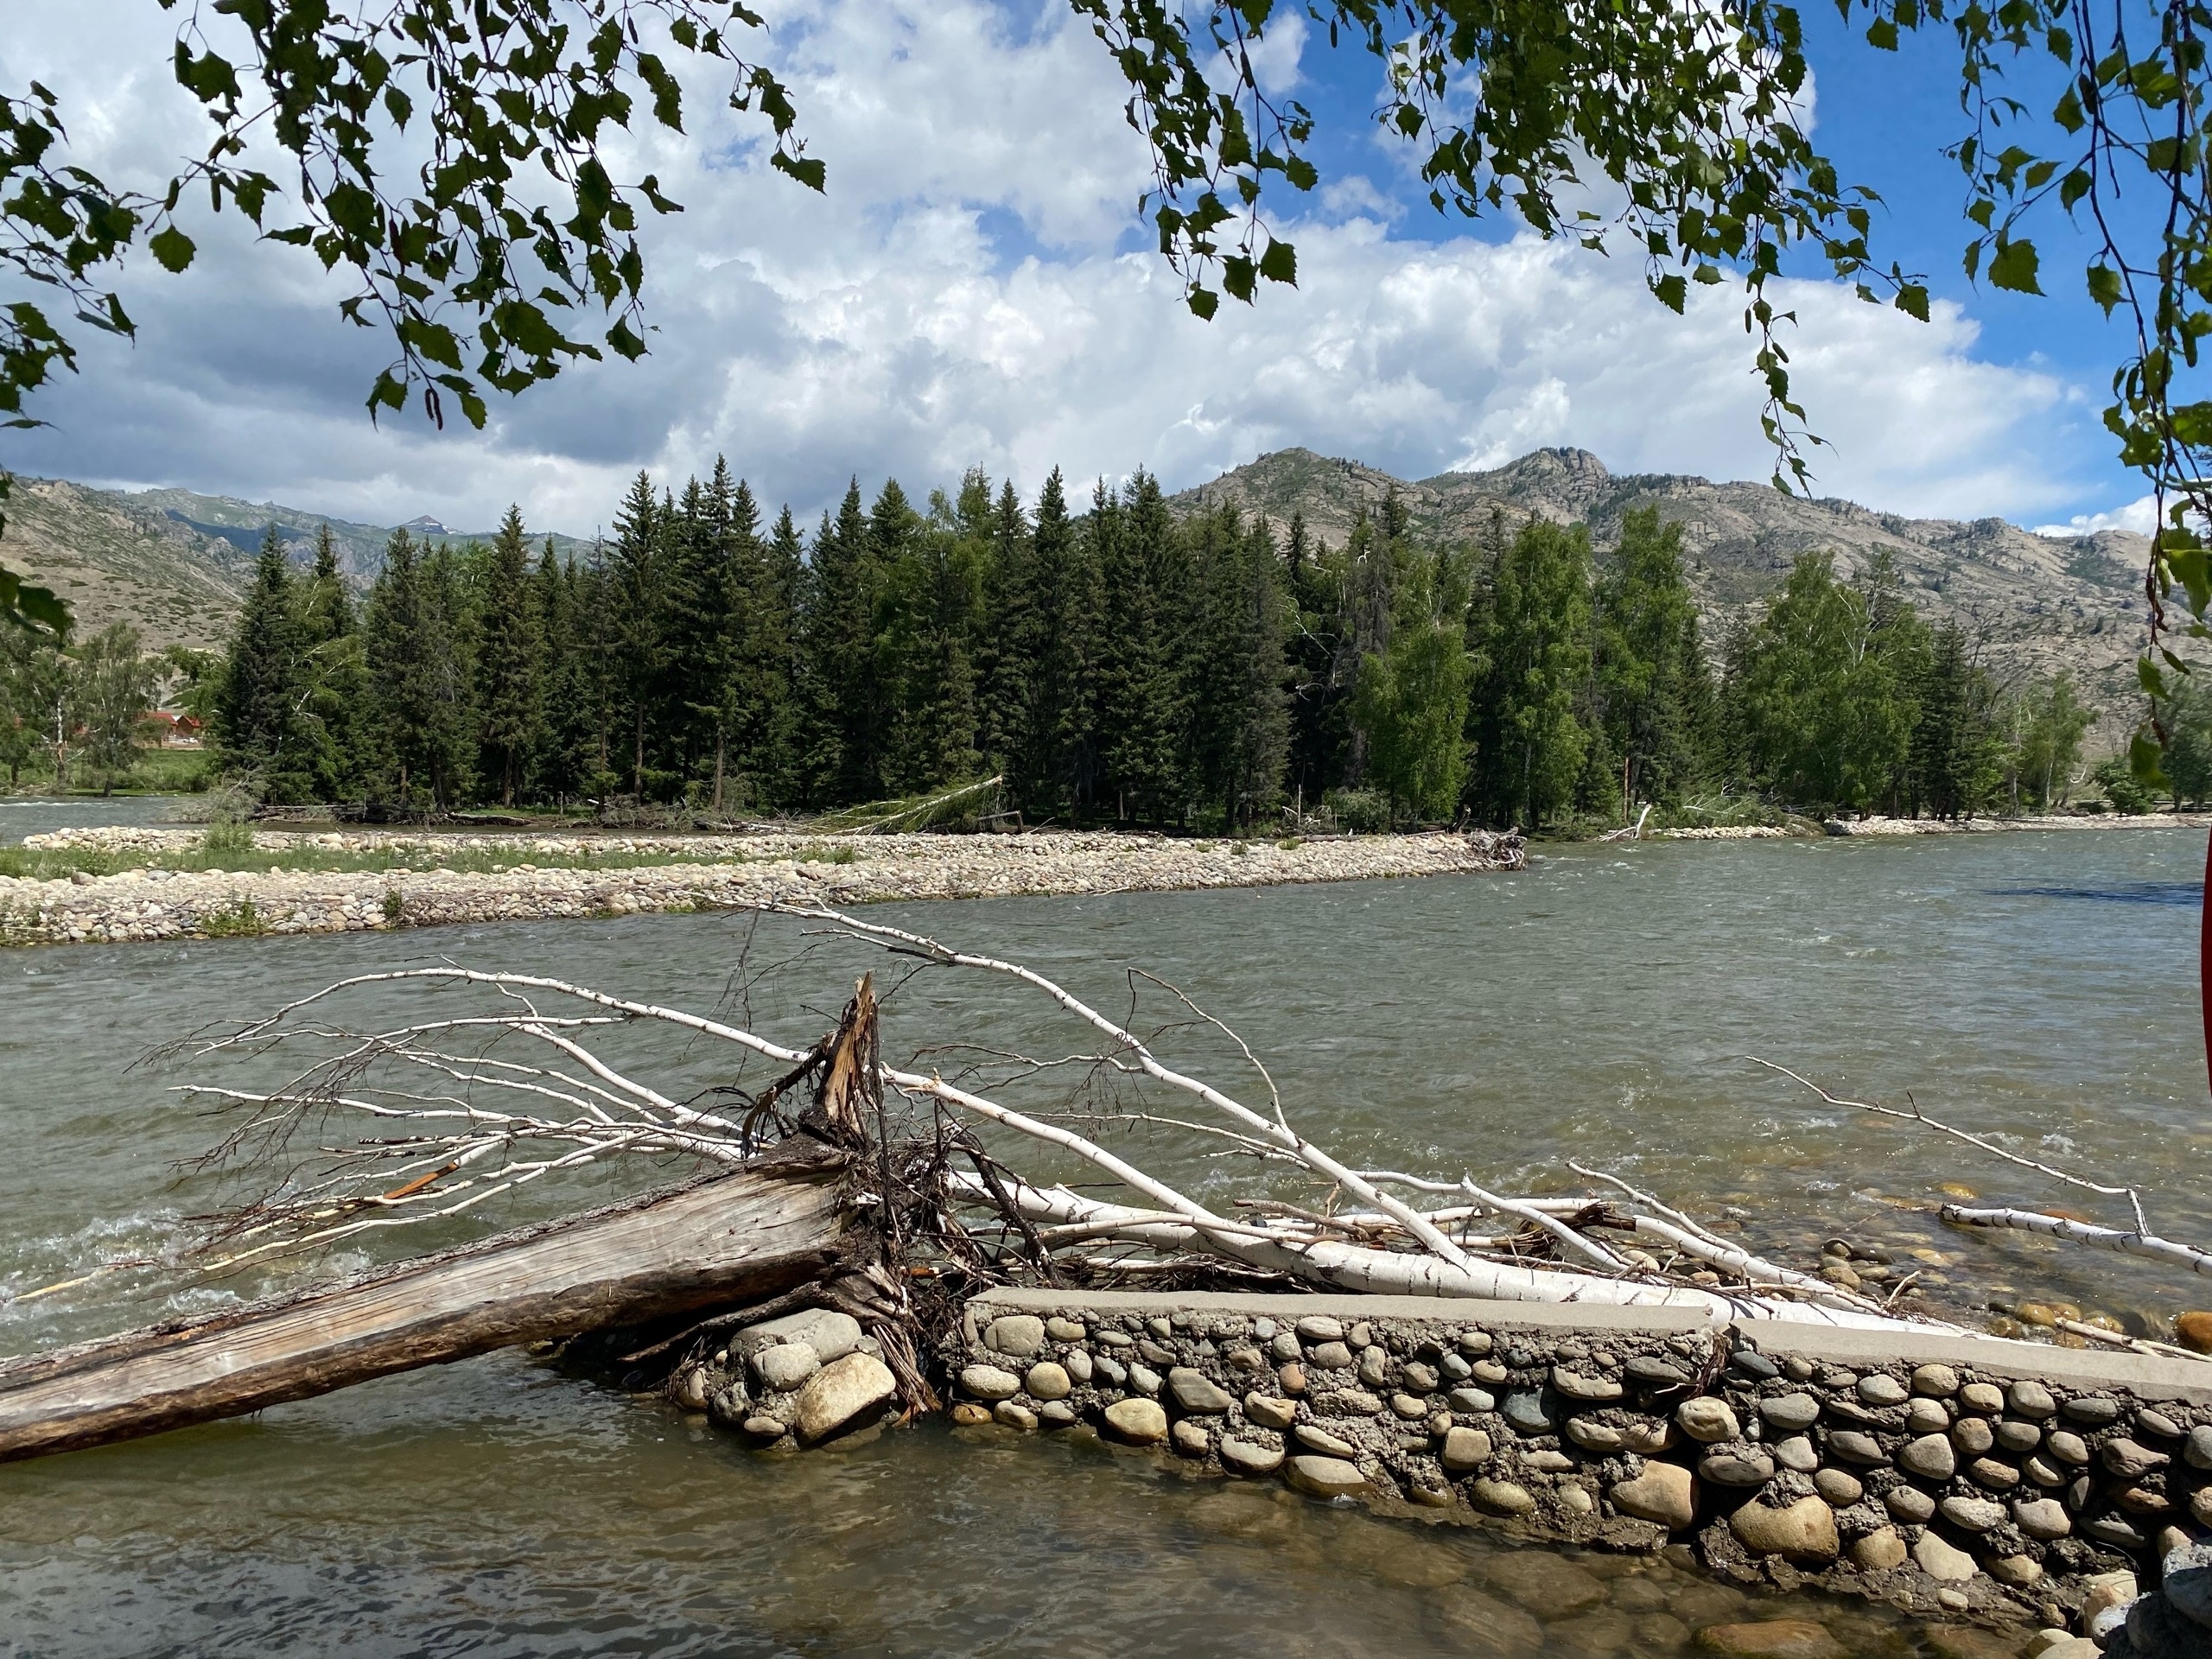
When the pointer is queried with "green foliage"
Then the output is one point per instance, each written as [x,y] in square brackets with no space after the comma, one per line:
[2186,716]
[1822,689]
[2053,721]
[1363,811]
[1531,630]
[112,693]
[237,920]
[2122,788]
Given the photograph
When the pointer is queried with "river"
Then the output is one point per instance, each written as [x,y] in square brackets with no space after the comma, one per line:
[2036,986]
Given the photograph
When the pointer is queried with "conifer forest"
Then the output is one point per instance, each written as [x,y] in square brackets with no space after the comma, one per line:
[1112,663]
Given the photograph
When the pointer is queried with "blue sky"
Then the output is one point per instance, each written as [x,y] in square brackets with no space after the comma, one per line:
[975,289]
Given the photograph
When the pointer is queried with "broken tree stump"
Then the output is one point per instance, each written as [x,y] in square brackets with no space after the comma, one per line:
[733,1239]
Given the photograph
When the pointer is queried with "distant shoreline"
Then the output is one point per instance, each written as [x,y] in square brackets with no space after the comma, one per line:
[582,877]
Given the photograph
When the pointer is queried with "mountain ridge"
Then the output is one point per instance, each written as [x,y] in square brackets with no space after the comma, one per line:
[2033,604]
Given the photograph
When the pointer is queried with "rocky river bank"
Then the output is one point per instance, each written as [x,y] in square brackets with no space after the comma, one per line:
[1998,1483]
[557,877]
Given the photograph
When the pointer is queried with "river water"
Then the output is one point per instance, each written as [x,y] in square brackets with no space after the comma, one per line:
[2037,987]
[28,815]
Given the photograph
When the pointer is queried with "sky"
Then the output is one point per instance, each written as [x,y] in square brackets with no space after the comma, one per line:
[976,289]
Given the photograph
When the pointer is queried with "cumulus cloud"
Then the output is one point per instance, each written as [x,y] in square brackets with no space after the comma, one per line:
[975,290]
[2139,516]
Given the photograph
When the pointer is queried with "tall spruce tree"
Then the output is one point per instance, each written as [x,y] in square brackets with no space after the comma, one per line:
[1140,698]
[261,725]
[1012,654]
[1067,738]
[421,686]
[842,697]
[636,585]
[507,661]
[339,697]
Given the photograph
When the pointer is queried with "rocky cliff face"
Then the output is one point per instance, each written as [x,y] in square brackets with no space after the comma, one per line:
[2036,603]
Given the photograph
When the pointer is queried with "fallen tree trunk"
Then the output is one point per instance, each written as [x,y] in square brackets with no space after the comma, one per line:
[733,1239]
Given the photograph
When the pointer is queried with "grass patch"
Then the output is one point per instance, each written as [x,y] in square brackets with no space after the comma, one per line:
[237,920]
[230,848]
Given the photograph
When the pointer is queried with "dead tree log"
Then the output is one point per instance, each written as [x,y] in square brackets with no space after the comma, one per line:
[719,1243]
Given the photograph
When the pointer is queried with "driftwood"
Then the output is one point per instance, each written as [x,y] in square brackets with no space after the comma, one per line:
[741,1237]
[882,1183]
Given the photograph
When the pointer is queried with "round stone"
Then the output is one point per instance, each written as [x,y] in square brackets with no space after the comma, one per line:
[1856,1446]
[1465,1451]
[1936,1381]
[1269,1412]
[1474,1343]
[1501,1497]
[1927,1417]
[1197,1393]
[1973,1435]
[1014,1414]
[2030,1399]
[1018,1336]
[1601,1438]
[2193,1331]
[1878,1551]
[988,1382]
[1141,1422]
[786,1366]
[1057,1413]
[1047,1381]
[1314,1438]
[1879,1388]
[1803,1531]
[1910,1505]
[2158,1423]
[1941,1561]
[2067,1446]
[1245,1458]
[1526,1414]
[1409,1406]
[1796,1453]
[1321,1327]
[1737,1465]
[2043,1518]
[1581,1386]
[1771,1638]
[1707,1419]
[1472,1400]
[2018,1437]
[1060,1330]
[1840,1490]
[1330,1356]
[966,1414]
[2018,1571]
[1984,1397]
[2130,1460]
[1663,1492]
[1651,1369]
[2094,1409]
[1791,1412]
[1931,1456]
[1972,1514]
[1993,1476]
[1320,1476]
[1190,1438]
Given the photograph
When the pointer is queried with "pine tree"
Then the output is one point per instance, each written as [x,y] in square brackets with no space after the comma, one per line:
[339,697]
[260,726]
[842,698]
[770,667]
[637,586]
[563,738]
[1011,656]
[1139,705]
[1957,756]
[1066,737]
[507,657]
[418,679]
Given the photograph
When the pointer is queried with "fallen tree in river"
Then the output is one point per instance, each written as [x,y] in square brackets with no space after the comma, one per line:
[888,1197]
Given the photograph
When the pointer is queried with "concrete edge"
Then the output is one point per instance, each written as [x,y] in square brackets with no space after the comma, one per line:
[2146,1376]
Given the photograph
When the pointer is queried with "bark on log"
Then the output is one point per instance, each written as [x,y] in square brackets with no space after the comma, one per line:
[733,1239]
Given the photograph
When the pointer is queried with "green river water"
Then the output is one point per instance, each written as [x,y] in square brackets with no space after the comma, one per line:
[2035,985]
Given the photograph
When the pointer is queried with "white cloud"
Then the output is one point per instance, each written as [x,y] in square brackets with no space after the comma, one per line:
[970,291]
[2139,516]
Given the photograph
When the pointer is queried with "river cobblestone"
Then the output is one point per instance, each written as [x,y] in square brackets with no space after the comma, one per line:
[717,872]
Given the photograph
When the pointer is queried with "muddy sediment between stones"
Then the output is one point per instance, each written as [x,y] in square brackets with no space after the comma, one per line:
[1969,1477]
[717,872]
